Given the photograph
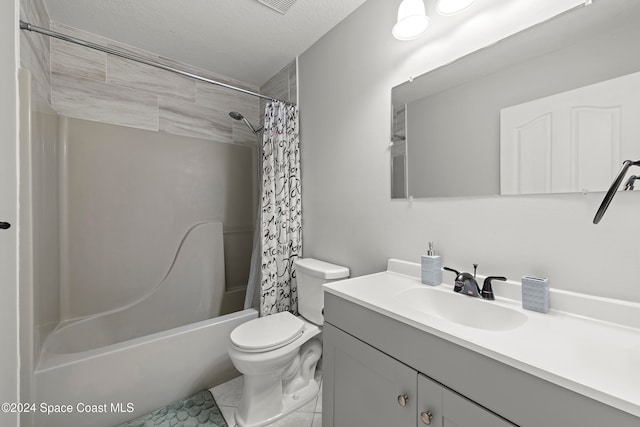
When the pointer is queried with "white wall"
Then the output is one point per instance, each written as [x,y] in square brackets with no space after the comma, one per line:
[9,363]
[345,95]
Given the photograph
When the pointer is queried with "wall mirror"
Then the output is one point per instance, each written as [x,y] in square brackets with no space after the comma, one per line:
[552,109]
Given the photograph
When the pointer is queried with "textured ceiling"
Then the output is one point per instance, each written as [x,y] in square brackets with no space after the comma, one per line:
[241,39]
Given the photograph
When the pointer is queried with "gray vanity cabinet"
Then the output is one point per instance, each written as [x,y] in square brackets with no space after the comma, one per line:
[370,358]
[365,387]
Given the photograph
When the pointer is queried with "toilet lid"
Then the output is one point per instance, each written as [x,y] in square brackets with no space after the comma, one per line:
[267,333]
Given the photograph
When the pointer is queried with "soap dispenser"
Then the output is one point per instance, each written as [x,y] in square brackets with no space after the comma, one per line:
[431,267]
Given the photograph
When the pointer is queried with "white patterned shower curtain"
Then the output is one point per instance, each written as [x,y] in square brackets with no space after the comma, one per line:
[281,208]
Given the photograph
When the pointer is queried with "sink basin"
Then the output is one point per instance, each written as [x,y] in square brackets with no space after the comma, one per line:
[461,309]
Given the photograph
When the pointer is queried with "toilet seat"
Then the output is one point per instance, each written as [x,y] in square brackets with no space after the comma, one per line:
[267,333]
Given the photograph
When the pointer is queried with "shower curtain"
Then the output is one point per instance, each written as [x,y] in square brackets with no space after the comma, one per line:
[281,216]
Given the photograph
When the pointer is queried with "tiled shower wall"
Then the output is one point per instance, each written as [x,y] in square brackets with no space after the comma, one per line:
[86,84]
[93,85]
[35,53]
[284,86]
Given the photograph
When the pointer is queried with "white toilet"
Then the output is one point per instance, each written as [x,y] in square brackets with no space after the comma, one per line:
[278,354]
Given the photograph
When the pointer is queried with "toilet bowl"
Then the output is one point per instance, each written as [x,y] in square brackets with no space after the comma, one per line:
[279,380]
[278,354]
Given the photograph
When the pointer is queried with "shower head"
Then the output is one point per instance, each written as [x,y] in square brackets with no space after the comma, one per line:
[237,116]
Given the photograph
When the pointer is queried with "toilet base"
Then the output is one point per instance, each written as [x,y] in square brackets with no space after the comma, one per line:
[290,403]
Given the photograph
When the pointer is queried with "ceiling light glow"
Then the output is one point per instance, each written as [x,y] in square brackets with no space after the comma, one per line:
[452,7]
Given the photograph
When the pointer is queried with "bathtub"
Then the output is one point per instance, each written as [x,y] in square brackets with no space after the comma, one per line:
[123,381]
[105,369]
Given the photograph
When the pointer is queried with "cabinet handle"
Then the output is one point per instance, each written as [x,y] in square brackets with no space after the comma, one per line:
[403,399]
[426,417]
[4,225]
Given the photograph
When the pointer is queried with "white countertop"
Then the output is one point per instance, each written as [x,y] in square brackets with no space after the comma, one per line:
[591,346]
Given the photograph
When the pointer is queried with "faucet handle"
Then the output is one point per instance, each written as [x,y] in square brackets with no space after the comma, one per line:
[451,270]
[487,290]
[457,284]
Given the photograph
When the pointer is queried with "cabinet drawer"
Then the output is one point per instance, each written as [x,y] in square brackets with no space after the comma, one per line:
[461,412]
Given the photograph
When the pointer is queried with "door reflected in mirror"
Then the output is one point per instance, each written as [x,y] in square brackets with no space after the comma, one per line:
[570,142]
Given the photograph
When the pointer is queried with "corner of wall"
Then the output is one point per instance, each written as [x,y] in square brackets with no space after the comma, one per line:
[35,53]
[283,85]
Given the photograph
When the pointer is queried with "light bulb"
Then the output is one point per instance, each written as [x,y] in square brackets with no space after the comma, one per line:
[412,20]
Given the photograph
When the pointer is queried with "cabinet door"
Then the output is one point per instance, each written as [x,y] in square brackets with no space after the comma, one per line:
[429,402]
[363,386]
[460,412]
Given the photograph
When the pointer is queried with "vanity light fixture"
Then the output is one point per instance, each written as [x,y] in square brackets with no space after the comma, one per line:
[412,20]
[452,7]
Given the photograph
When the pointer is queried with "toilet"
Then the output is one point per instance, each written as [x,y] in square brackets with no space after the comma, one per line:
[278,354]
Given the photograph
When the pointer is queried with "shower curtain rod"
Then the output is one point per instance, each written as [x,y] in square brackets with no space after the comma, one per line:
[29,27]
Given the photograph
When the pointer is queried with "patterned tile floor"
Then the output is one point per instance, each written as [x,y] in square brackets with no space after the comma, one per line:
[228,395]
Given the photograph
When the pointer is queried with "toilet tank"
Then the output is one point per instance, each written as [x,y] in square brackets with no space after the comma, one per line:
[311,274]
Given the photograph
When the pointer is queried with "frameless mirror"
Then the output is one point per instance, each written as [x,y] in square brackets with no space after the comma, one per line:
[551,109]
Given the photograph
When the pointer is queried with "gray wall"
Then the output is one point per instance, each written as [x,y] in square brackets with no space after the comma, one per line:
[345,96]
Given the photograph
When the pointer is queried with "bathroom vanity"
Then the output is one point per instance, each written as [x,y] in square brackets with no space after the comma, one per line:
[399,353]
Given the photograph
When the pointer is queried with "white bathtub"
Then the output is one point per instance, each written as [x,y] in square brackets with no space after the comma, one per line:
[142,374]
[104,369]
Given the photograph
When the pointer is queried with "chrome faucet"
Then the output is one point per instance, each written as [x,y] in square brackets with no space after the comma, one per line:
[466,284]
